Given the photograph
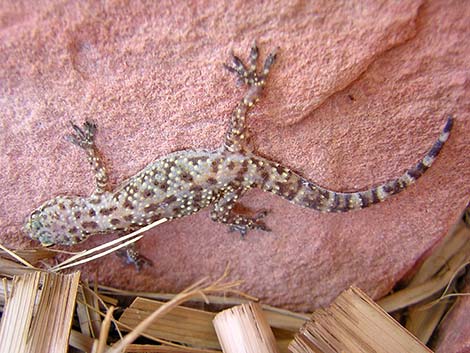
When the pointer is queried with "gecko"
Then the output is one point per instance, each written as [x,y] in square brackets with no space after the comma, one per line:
[184,182]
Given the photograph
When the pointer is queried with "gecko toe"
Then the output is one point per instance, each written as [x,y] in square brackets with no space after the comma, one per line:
[82,137]
[251,75]
[261,214]
[253,57]
[271,58]
[244,224]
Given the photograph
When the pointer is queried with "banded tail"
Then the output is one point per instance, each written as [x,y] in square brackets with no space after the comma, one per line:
[291,186]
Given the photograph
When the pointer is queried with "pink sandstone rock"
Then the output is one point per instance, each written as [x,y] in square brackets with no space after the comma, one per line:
[359,93]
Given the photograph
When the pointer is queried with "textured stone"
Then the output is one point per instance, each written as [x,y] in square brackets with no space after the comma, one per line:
[359,93]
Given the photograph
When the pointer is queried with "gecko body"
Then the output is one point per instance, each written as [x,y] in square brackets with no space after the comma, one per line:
[185,182]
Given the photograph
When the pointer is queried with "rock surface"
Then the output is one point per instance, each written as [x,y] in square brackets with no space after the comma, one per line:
[359,93]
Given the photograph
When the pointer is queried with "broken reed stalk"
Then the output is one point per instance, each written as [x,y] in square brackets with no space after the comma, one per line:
[354,323]
[244,329]
[38,314]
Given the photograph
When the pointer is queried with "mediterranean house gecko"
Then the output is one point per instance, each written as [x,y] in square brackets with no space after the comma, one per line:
[185,182]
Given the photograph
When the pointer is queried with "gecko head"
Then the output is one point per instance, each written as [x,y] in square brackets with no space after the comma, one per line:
[37,228]
[52,223]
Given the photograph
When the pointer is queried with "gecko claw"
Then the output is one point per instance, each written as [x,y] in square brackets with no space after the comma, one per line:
[250,75]
[82,137]
[261,214]
[270,61]
[243,224]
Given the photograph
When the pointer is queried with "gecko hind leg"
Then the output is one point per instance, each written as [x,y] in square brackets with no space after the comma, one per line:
[84,138]
[243,223]
[222,212]
[255,79]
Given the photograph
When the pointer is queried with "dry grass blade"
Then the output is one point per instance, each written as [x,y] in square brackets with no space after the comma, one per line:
[89,316]
[451,244]
[122,242]
[75,260]
[213,299]
[184,325]
[423,319]
[16,257]
[82,342]
[284,319]
[147,348]
[38,314]
[422,323]
[195,290]
[11,268]
[413,295]
[92,304]
[83,314]
[445,295]
[31,255]
[102,348]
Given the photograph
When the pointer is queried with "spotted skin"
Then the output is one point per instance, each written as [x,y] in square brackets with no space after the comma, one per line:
[185,182]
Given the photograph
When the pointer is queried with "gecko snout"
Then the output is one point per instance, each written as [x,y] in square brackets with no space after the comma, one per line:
[35,229]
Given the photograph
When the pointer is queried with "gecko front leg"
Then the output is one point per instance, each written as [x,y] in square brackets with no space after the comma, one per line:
[85,139]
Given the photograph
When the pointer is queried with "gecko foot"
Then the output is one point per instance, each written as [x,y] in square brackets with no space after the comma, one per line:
[83,137]
[242,223]
[249,75]
[131,256]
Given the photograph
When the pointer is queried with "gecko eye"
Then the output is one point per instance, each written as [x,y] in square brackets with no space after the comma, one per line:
[33,223]
[35,214]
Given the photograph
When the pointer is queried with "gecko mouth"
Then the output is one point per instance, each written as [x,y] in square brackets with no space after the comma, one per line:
[47,245]
[45,239]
